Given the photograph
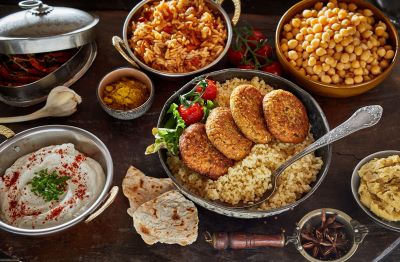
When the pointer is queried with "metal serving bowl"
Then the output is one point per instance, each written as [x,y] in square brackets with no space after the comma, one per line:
[66,75]
[332,90]
[116,75]
[33,139]
[355,184]
[122,45]
[319,128]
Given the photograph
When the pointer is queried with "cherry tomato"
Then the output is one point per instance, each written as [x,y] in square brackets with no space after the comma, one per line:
[191,114]
[235,56]
[273,68]
[247,66]
[211,90]
[255,37]
[264,51]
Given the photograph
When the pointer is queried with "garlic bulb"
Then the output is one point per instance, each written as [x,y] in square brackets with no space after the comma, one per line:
[61,101]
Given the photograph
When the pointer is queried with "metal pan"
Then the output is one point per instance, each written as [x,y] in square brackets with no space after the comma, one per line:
[66,75]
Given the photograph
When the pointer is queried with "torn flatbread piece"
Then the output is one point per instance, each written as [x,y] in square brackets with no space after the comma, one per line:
[139,188]
[169,218]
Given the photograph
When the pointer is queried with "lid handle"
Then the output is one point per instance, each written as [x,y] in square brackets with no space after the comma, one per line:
[29,4]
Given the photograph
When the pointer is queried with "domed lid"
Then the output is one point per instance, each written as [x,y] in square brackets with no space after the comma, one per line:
[42,28]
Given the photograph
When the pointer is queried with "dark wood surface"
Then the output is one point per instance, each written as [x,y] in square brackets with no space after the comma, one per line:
[112,237]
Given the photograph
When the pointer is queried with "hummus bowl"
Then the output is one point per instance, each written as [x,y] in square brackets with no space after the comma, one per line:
[89,145]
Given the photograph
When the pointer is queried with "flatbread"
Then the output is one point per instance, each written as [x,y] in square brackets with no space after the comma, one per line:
[139,188]
[169,218]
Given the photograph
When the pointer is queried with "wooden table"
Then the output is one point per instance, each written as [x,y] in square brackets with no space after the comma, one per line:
[112,237]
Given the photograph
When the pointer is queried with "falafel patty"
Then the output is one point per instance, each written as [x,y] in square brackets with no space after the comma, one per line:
[246,107]
[286,116]
[200,155]
[225,135]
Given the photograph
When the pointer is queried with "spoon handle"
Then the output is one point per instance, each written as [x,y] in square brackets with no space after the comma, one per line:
[364,117]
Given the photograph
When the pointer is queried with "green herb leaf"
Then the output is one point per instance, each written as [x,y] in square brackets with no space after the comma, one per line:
[168,137]
[49,185]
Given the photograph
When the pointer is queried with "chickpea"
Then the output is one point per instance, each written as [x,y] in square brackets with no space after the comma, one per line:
[320,51]
[341,73]
[303,30]
[317,69]
[330,52]
[367,12]
[389,54]
[310,49]
[363,64]
[337,56]
[344,58]
[292,43]
[326,79]
[358,79]
[315,43]
[299,49]
[305,44]
[289,35]
[355,64]
[344,32]
[323,20]
[287,27]
[284,47]
[361,28]
[382,41]
[335,26]
[330,5]
[345,22]
[367,34]
[384,64]
[325,67]
[331,45]
[307,13]
[355,20]
[349,49]
[309,37]
[299,37]
[338,38]
[365,55]
[342,14]
[323,44]
[352,7]
[340,66]
[299,62]
[295,31]
[292,62]
[375,70]
[379,31]
[296,22]
[325,36]
[318,6]
[349,81]
[353,57]
[302,71]
[293,55]
[335,78]
[312,61]
[314,78]
[358,71]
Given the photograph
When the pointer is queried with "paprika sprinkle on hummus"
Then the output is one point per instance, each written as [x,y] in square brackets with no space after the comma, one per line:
[125,94]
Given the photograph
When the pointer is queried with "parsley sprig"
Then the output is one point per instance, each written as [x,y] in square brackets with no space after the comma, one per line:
[49,185]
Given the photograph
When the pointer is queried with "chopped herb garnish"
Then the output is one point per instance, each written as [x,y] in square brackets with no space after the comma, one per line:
[49,185]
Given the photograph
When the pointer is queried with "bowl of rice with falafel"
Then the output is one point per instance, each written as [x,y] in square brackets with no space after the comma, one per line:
[221,136]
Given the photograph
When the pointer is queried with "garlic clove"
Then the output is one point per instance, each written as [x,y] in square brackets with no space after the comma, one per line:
[62,101]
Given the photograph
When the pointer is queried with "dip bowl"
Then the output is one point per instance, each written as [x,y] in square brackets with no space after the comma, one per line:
[32,140]
[355,184]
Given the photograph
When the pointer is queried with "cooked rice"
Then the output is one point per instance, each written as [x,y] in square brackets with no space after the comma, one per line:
[248,179]
[178,36]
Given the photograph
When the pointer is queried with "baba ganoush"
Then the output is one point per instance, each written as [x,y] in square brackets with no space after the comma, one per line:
[21,206]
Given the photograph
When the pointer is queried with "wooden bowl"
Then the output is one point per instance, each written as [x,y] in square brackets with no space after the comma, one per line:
[332,90]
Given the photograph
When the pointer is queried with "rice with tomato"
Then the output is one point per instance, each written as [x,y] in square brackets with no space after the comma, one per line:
[178,36]
[249,178]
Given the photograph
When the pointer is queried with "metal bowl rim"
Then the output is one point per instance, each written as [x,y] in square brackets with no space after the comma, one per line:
[235,211]
[109,177]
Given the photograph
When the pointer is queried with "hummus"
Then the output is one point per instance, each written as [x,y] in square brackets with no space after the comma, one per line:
[22,208]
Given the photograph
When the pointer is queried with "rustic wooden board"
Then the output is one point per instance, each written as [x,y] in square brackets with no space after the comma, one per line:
[111,236]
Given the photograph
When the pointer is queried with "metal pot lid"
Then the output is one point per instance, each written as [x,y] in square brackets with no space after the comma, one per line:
[43,28]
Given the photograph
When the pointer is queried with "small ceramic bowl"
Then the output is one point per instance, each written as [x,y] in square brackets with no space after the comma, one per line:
[355,183]
[116,75]
[332,90]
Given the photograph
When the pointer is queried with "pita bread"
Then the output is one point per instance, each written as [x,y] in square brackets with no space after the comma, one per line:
[169,218]
[139,188]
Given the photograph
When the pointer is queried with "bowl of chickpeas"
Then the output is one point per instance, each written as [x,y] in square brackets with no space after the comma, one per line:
[336,48]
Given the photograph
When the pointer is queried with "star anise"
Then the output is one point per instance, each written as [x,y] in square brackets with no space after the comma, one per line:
[327,241]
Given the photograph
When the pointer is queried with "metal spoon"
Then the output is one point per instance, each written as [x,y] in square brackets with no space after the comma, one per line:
[362,118]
